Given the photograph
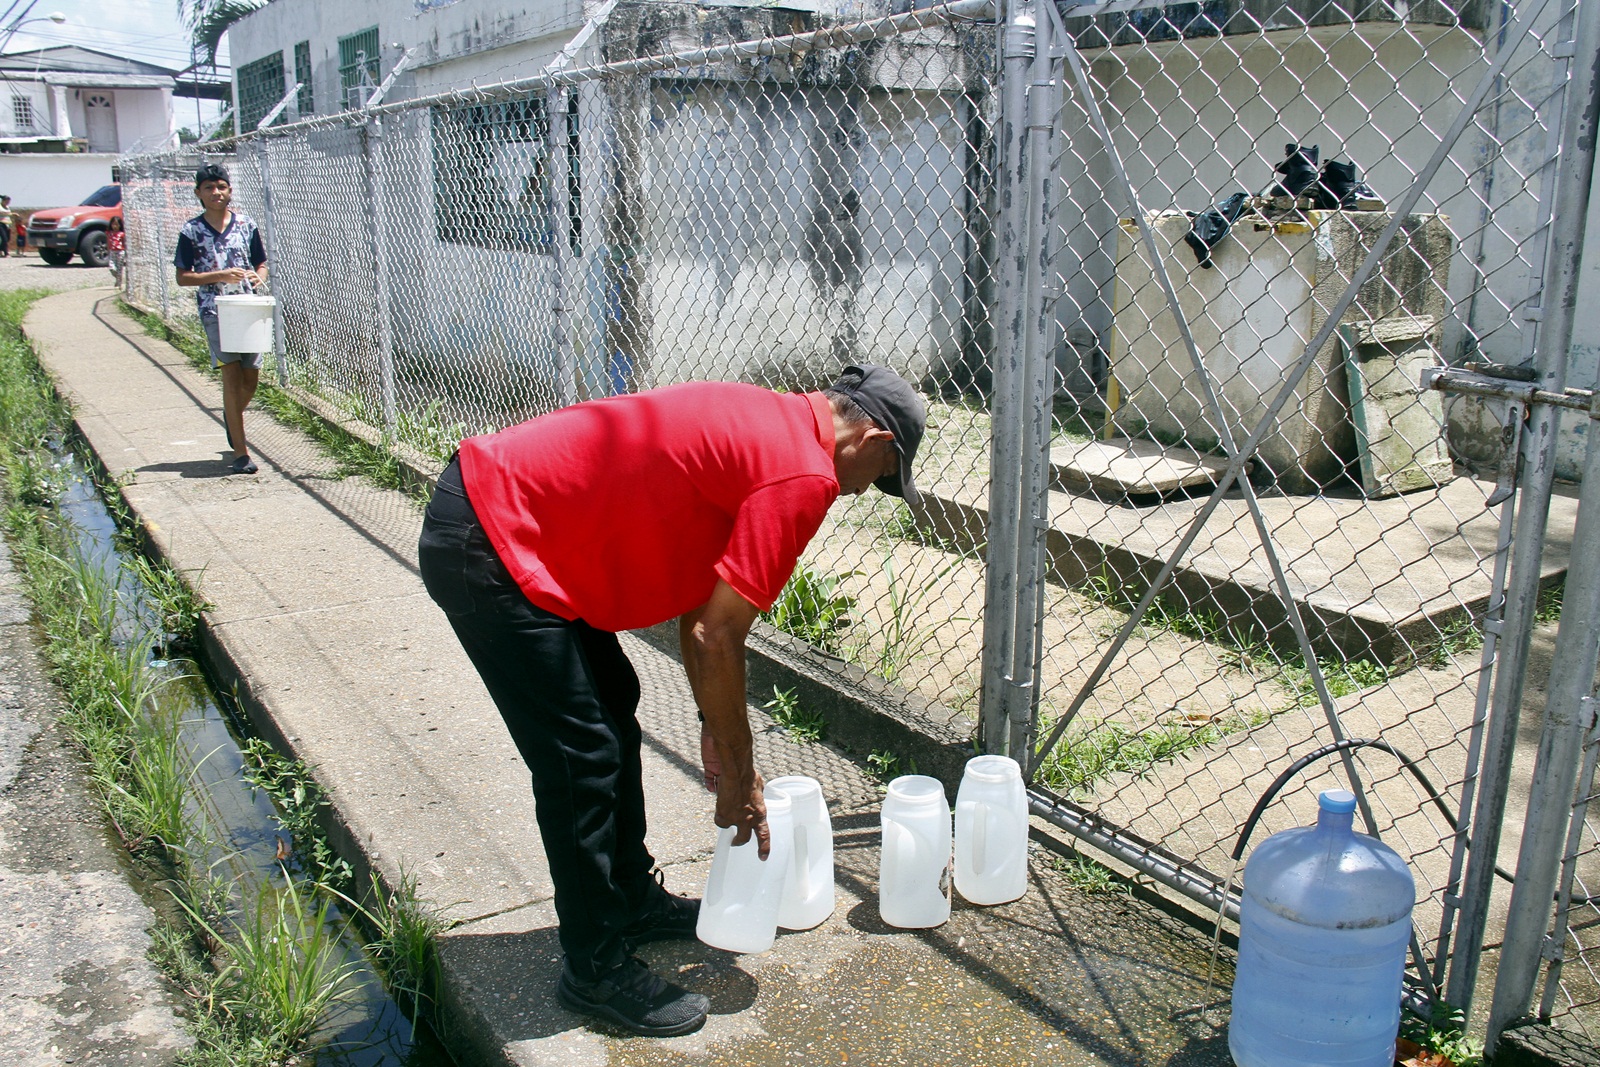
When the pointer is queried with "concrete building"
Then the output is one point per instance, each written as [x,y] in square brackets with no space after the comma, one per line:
[67,112]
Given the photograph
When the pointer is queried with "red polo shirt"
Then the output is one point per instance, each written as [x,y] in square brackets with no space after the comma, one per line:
[625,511]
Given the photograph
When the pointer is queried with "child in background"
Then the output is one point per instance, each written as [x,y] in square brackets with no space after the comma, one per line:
[116,244]
[221,247]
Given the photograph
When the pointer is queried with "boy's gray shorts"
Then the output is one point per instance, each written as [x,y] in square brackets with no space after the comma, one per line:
[251,360]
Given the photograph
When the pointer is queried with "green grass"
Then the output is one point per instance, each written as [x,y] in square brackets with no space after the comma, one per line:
[300,803]
[900,639]
[283,964]
[1086,876]
[885,766]
[804,726]
[1083,758]
[262,974]
[1444,1032]
[405,947]
[812,608]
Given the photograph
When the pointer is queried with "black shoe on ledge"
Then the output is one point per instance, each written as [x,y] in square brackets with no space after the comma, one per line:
[663,916]
[630,996]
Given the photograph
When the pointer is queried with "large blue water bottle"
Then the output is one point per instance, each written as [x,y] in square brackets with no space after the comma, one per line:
[1323,930]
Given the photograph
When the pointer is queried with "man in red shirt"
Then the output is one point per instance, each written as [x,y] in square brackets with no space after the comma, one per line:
[691,502]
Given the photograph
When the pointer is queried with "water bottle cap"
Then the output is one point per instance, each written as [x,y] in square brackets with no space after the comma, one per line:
[1338,801]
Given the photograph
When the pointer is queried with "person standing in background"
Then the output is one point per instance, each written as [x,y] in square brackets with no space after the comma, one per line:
[7,222]
[221,247]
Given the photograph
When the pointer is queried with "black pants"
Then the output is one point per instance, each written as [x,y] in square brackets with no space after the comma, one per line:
[568,695]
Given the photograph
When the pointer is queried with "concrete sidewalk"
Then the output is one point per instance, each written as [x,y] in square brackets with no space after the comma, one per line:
[339,656]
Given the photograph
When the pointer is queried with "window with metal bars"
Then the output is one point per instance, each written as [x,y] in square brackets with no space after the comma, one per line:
[22,113]
[305,100]
[492,176]
[260,88]
[358,66]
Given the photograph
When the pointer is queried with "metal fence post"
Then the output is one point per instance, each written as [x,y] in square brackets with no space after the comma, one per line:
[1562,261]
[563,154]
[1572,670]
[1008,411]
[269,216]
[1039,385]
[372,143]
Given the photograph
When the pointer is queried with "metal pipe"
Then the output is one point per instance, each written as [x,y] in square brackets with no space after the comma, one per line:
[1569,862]
[1008,410]
[558,106]
[378,217]
[270,217]
[1577,650]
[1198,885]
[1034,502]
[1564,253]
[1493,616]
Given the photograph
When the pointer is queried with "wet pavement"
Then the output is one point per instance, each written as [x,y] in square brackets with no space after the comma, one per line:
[320,621]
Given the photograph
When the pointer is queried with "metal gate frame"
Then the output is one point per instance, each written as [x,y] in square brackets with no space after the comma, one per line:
[1040,67]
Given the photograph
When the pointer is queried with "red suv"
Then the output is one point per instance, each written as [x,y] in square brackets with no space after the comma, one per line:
[58,232]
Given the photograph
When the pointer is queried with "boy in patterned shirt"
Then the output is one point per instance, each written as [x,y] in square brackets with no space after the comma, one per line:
[217,248]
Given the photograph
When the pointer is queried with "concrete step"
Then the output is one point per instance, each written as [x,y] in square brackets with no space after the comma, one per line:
[1374,579]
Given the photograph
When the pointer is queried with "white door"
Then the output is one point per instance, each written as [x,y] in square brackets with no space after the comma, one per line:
[100,122]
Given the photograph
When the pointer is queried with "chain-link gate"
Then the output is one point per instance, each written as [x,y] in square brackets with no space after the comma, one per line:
[1232,325]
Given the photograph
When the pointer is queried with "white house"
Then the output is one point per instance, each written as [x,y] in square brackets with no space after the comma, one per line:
[67,113]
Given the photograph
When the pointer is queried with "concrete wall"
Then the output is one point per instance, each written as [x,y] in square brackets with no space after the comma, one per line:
[1199,121]
[55,179]
[29,89]
[471,40]
[144,118]
[783,237]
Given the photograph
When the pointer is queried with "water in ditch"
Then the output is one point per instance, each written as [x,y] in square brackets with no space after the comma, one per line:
[365,1028]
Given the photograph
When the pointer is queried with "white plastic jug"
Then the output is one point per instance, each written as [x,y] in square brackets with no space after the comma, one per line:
[991,831]
[914,866]
[739,909]
[808,895]
[1323,930]
[244,322]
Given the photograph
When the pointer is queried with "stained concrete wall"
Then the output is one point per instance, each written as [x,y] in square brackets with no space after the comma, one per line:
[1251,316]
[1203,119]
[52,179]
[790,230]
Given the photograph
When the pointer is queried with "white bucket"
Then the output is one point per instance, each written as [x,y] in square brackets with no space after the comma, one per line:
[244,322]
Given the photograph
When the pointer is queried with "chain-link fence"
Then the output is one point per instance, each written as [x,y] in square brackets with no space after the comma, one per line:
[1221,313]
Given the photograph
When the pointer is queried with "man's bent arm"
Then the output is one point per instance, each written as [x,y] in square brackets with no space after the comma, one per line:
[712,640]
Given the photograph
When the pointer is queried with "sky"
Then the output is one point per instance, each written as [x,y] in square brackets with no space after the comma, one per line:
[148,30]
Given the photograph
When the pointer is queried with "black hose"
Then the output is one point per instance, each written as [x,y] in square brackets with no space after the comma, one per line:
[1341,746]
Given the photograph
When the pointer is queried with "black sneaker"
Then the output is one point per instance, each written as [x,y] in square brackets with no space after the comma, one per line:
[664,916]
[243,465]
[635,999]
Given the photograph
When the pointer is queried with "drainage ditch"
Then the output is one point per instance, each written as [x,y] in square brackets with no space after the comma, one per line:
[244,845]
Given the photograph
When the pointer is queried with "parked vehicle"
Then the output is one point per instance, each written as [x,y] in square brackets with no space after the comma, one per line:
[59,233]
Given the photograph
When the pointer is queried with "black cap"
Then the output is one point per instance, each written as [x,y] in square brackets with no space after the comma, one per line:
[211,172]
[895,406]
